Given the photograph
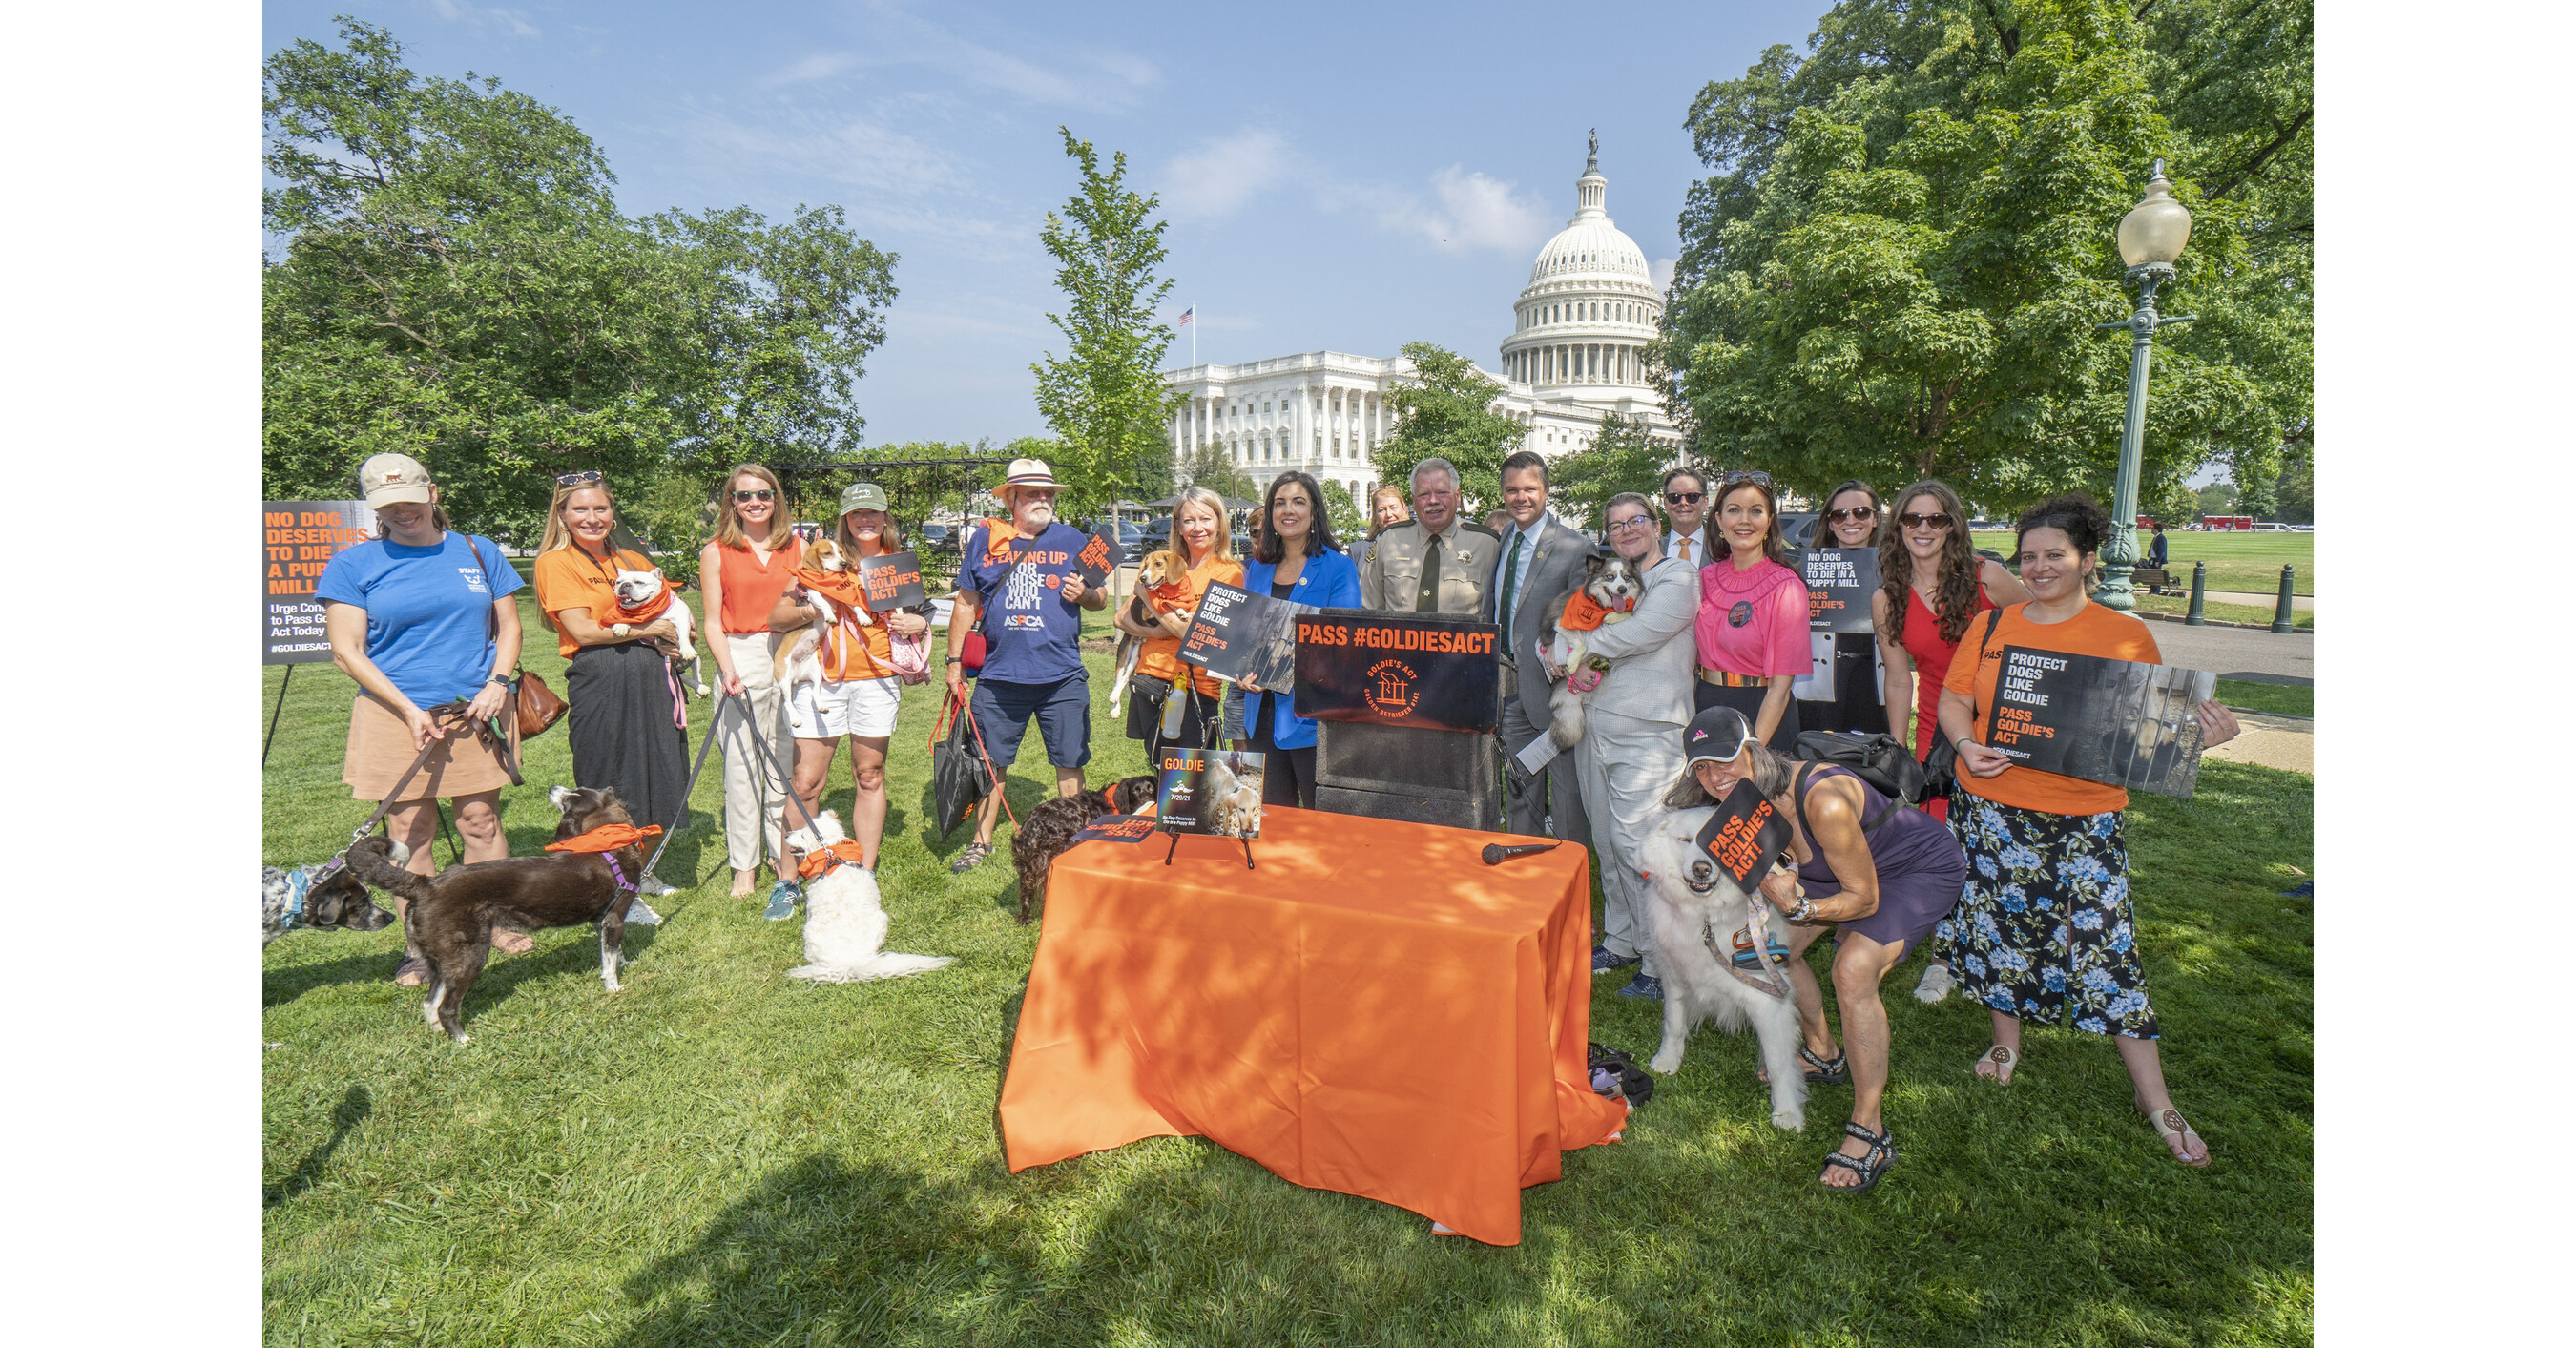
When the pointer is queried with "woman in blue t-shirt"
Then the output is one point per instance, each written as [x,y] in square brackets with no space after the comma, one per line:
[422,618]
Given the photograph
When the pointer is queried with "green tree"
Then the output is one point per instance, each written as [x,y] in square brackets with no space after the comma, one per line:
[1445,409]
[2298,489]
[1212,467]
[2177,505]
[1342,512]
[2218,498]
[1899,265]
[1621,456]
[1105,397]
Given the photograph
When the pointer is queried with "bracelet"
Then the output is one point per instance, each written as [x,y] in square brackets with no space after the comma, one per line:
[1804,910]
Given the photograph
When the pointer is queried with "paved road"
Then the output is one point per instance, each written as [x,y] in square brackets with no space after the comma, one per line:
[2234,650]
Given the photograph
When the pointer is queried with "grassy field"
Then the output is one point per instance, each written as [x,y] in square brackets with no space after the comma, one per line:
[2246,562]
[721,1155]
[2304,619]
[2271,697]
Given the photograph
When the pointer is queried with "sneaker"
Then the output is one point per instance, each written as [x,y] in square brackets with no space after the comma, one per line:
[1936,984]
[641,914]
[782,901]
[1604,962]
[653,885]
[1644,986]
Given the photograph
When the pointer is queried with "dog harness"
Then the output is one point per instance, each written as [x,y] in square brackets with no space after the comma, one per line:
[1584,613]
[299,882]
[843,853]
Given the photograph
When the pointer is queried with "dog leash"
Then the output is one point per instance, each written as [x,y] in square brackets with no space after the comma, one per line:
[394,797]
[705,742]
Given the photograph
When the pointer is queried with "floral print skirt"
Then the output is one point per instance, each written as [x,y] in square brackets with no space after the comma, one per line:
[2043,928]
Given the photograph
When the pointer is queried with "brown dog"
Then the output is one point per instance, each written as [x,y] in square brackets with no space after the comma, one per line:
[1048,828]
[452,914]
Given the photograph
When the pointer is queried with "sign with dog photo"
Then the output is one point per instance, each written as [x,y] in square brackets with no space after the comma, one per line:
[1745,836]
[1214,792]
[2119,722]
[1117,828]
[298,539]
[1839,584]
[1399,669]
[1100,555]
[1237,634]
[892,581]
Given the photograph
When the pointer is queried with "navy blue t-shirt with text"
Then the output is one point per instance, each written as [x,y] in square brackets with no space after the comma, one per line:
[1030,631]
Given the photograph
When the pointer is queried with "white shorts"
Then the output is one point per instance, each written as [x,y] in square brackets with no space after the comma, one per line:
[861,707]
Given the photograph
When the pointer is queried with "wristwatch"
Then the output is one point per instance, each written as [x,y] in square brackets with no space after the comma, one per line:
[501,679]
[955,660]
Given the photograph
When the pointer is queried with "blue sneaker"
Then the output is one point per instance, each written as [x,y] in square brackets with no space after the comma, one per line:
[1643,986]
[782,901]
[1604,962]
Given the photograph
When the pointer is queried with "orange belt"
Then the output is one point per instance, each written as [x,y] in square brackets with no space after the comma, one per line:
[1726,679]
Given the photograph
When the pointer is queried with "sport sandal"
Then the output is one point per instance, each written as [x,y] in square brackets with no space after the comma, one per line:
[969,856]
[1818,1071]
[1871,1166]
[2004,1060]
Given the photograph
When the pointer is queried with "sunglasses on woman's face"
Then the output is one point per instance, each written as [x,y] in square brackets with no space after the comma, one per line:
[1855,513]
[755,495]
[1913,521]
[576,479]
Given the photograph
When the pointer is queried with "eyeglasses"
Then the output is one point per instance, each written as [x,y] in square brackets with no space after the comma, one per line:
[1855,513]
[1736,477]
[576,479]
[1911,520]
[1632,524]
[1684,497]
[755,495]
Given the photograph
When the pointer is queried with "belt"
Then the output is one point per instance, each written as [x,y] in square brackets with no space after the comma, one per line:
[1727,679]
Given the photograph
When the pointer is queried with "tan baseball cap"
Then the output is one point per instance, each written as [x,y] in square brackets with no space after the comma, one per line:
[388,479]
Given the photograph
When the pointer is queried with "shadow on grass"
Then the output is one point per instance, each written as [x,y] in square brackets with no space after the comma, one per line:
[353,1110]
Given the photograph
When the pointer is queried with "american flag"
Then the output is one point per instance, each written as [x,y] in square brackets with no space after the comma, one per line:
[1186,313]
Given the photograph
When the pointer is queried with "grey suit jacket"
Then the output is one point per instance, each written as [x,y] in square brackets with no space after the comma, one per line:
[1654,653]
[1553,574]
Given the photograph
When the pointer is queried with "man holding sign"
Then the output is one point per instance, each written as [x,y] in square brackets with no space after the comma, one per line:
[1021,578]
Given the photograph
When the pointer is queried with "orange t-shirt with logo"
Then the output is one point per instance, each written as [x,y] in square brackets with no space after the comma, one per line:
[1161,657]
[2093,631]
[570,578]
[851,650]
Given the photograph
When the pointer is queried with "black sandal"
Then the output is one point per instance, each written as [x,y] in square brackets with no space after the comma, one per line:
[1871,1166]
[1826,1073]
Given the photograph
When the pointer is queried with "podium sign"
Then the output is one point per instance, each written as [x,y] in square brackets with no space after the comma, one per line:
[1399,669]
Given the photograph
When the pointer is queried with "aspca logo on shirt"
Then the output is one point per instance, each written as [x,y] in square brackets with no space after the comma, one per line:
[1739,615]
[474,579]
[1024,622]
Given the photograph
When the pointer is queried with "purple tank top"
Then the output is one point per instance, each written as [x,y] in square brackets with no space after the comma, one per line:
[1905,840]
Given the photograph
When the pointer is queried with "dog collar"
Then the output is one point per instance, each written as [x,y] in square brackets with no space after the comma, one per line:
[617,873]
[297,882]
[843,853]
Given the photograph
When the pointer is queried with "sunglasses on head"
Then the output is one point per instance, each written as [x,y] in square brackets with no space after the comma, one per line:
[576,479]
[1735,478]
[1910,520]
[1685,497]
[755,495]
[1855,513]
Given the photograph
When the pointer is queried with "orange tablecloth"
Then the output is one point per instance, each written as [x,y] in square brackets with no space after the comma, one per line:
[1373,1010]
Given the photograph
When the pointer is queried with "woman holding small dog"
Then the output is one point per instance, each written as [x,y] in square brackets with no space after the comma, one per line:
[743,571]
[2044,928]
[1186,717]
[860,692]
[422,618]
[1881,875]
[625,712]
[1293,558]
[1752,626]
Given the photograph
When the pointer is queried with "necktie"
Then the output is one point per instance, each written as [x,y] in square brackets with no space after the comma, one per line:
[1511,582]
[1428,601]
[1686,542]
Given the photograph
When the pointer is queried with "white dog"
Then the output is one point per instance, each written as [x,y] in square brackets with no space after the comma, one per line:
[637,589]
[1698,909]
[1609,590]
[845,924]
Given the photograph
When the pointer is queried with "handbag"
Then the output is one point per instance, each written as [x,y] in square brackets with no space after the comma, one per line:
[1941,766]
[535,705]
[960,777]
[910,657]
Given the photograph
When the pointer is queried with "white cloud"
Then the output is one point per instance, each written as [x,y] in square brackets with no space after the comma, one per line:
[1220,176]
[481,18]
[1660,271]
[1476,211]
[1084,78]
[819,66]
[1457,211]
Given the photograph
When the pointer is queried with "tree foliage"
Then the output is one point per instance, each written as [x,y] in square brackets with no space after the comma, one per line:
[1621,456]
[1343,512]
[1105,396]
[1897,268]
[457,283]
[1213,467]
[1445,409]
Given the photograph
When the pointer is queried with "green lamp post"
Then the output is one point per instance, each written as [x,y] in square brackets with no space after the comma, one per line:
[2151,236]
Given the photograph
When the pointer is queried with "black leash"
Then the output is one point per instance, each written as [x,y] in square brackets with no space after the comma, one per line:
[705,743]
[771,762]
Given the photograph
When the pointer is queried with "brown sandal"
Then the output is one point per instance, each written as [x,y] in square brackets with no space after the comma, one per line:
[503,936]
[412,972]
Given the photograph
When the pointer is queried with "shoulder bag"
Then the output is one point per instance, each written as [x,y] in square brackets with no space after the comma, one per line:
[1940,768]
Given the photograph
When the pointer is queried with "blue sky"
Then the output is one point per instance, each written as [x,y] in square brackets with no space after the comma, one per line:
[1351,177]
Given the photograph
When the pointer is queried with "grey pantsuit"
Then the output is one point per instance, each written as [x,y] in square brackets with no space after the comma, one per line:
[1631,750]
[753,795]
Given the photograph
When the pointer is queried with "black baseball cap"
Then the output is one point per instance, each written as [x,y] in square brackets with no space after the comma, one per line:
[1718,735]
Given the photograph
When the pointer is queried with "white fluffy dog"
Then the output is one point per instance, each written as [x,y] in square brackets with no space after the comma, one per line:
[1697,904]
[845,924]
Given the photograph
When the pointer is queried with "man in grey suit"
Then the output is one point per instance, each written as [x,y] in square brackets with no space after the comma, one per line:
[1542,563]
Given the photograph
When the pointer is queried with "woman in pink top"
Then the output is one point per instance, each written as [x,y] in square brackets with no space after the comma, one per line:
[1752,624]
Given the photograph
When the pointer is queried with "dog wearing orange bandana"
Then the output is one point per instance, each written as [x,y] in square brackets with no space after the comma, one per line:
[1608,594]
[643,596]
[845,919]
[803,662]
[1158,588]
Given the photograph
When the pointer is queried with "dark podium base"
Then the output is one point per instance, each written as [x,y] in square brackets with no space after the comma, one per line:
[1449,777]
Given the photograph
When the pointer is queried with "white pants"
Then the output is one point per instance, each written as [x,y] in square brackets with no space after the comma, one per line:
[753,795]
[1626,765]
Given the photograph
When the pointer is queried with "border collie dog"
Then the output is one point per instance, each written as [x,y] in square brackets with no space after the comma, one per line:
[1610,583]
[332,894]
[1048,828]
[452,914]
[845,919]
[1697,910]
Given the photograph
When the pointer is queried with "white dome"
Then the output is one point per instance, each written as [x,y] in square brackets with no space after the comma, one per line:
[1581,325]
[1590,246]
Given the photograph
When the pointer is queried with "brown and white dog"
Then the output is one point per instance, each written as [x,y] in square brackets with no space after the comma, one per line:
[1607,595]
[1160,571]
[452,914]
[803,661]
[642,597]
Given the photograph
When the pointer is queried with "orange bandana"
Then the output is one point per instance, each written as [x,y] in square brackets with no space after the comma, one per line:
[841,587]
[1583,613]
[605,838]
[652,608]
[998,540]
[843,853]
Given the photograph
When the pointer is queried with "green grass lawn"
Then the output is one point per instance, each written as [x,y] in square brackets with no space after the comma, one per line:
[2244,562]
[722,1155]
[2304,619]
[2271,697]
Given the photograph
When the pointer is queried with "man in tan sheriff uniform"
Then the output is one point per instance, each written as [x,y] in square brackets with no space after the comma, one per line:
[1435,562]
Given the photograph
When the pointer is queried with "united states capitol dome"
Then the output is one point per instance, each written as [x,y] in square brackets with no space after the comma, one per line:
[1590,305]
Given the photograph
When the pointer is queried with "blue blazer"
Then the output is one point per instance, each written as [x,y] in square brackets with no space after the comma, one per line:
[1331,580]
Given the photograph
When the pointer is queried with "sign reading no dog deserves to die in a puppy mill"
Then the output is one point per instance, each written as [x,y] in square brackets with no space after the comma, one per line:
[297,540]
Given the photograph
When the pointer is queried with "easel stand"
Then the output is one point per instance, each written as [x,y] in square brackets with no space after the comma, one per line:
[1175,835]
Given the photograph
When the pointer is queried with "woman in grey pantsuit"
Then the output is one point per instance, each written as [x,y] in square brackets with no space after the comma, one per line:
[1631,746]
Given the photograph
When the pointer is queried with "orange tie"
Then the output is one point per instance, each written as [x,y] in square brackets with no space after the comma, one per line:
[1686,545]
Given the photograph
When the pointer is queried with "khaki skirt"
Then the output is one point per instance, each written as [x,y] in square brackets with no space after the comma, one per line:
[380,748]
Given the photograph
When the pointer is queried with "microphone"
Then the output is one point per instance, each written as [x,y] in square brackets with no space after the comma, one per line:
[1496,854]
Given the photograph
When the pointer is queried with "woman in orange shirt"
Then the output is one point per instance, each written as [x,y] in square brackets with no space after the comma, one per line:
[2044,928]
[1185,718]
[742,571]
[625,717]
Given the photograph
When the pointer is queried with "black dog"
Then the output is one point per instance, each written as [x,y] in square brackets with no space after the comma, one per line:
[452,914]
[1046,830]
[327,895]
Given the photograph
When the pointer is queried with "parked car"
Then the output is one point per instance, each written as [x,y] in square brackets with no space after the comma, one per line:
[1798,527]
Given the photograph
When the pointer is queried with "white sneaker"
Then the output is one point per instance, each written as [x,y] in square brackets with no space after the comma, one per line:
[1937,984]
[641,914]
[652,884]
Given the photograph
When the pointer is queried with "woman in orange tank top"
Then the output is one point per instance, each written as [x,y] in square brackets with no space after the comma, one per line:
[743,570]
[1205,548]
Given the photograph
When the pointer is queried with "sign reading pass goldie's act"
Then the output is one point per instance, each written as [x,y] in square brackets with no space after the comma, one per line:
[2118,722]
[892,581]
[1398,669]
[298,539]
[1745,836]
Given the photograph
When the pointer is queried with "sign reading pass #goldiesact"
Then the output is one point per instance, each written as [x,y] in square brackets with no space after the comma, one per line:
[298,539]
[1399,669]
[1839,584]
[1745,836]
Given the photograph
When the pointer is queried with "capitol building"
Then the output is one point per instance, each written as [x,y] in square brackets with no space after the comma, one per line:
[1573,355]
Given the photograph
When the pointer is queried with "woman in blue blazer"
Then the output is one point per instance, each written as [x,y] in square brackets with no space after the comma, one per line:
[1293,558]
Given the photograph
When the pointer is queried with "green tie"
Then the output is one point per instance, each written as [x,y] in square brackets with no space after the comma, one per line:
[1511,581]
[1429,600]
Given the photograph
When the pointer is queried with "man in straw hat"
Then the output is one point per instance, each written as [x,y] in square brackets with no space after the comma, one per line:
[1021,577]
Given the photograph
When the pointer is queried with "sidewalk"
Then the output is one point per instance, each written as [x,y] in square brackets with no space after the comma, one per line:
[2297,601]
[2284,742]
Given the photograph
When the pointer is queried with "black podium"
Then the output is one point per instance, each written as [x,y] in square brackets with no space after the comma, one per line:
[1406,706]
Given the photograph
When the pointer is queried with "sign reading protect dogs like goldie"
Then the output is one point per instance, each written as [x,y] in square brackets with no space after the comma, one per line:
[298,539]
[1216,792]
[1745,836]
[1398,669]
[2118,722]
[892,581]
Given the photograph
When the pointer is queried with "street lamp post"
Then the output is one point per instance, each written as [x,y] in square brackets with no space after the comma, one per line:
[2151,236]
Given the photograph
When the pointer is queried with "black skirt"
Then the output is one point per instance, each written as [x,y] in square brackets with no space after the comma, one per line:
[1854,706]
[621,728]
[1705,695]
[1199,716]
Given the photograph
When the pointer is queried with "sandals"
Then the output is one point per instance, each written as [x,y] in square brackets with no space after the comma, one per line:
[412,972]
[1871,1166]
[1820,1073]
[503,936]
[2004,1060]
[968,859]
[2178,1137]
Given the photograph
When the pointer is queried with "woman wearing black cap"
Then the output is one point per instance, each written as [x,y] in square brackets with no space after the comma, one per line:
[1882,876]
